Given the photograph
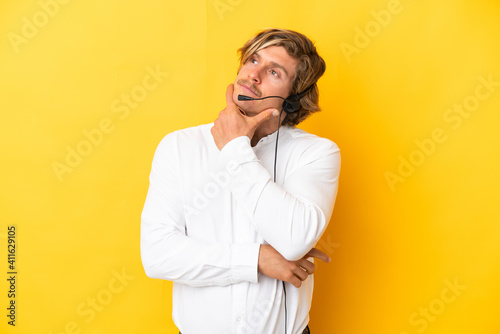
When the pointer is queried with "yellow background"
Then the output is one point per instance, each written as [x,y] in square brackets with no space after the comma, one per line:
[390,83]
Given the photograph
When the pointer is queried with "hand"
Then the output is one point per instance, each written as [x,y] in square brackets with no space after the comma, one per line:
[274,265]
[232,123]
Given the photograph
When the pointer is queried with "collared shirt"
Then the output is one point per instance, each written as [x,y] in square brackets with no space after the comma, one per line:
[208,211]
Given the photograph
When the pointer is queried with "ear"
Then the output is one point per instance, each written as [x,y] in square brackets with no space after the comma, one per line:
[291,104]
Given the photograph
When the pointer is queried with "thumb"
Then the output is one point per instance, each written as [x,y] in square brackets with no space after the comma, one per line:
[265,115]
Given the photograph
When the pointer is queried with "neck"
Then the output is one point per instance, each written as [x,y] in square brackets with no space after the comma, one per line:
[264,130]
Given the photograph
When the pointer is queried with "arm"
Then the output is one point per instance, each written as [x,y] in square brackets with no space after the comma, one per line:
[167,252]
[293,216]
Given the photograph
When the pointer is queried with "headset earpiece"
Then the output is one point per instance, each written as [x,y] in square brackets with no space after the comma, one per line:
[292,103]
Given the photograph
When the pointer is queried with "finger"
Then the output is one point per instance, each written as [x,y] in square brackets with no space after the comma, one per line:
[307,265]
[316,253]
[300,273]
[295,282]
[291,277]
[264,116]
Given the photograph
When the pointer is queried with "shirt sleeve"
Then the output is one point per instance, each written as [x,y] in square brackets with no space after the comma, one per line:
[292,216]
[168,253]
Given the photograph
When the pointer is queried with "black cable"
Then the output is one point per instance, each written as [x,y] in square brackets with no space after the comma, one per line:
[275,159]
[284,291]
[276,147]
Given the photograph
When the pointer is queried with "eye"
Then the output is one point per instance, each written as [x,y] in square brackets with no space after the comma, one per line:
[273,72]
[253,61]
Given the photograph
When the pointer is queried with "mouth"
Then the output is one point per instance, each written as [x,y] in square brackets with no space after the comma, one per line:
[248,90]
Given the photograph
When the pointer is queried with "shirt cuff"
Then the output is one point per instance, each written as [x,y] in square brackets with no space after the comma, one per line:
[244,262]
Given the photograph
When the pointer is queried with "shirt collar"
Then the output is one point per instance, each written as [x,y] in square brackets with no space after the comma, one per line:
[271,138]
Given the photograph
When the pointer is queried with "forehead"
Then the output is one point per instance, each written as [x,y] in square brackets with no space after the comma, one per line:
[278,56]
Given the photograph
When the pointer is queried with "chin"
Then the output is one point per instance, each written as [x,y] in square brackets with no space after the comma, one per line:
[251,114]
[242,107]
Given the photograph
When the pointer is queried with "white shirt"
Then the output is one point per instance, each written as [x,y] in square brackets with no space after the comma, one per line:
[208,211]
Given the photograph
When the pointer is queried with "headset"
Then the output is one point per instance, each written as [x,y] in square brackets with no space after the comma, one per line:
[290,105]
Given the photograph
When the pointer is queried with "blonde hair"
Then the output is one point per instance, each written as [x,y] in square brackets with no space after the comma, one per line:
[309,69]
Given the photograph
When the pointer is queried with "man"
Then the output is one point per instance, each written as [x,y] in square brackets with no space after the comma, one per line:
[235,243]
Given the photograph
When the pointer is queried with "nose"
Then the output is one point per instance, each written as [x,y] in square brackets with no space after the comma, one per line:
[255,75]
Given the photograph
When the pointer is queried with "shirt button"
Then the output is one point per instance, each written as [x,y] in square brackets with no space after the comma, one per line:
[238,319]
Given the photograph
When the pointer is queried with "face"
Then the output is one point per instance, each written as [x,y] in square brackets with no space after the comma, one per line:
[269,71]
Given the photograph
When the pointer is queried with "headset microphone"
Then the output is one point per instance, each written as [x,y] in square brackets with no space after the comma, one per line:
[290,105]
[248,98]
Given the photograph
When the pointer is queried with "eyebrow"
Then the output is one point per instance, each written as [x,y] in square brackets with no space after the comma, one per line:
[274,64]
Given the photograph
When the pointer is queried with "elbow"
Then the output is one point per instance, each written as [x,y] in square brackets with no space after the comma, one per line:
[149,273]
[152,273]
[157,267]
[296,253]
[149,269]
[298,249]
[305,238]
[150,262]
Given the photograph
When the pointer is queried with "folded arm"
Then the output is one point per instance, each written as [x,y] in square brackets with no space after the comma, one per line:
[168,253]
[291,217]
